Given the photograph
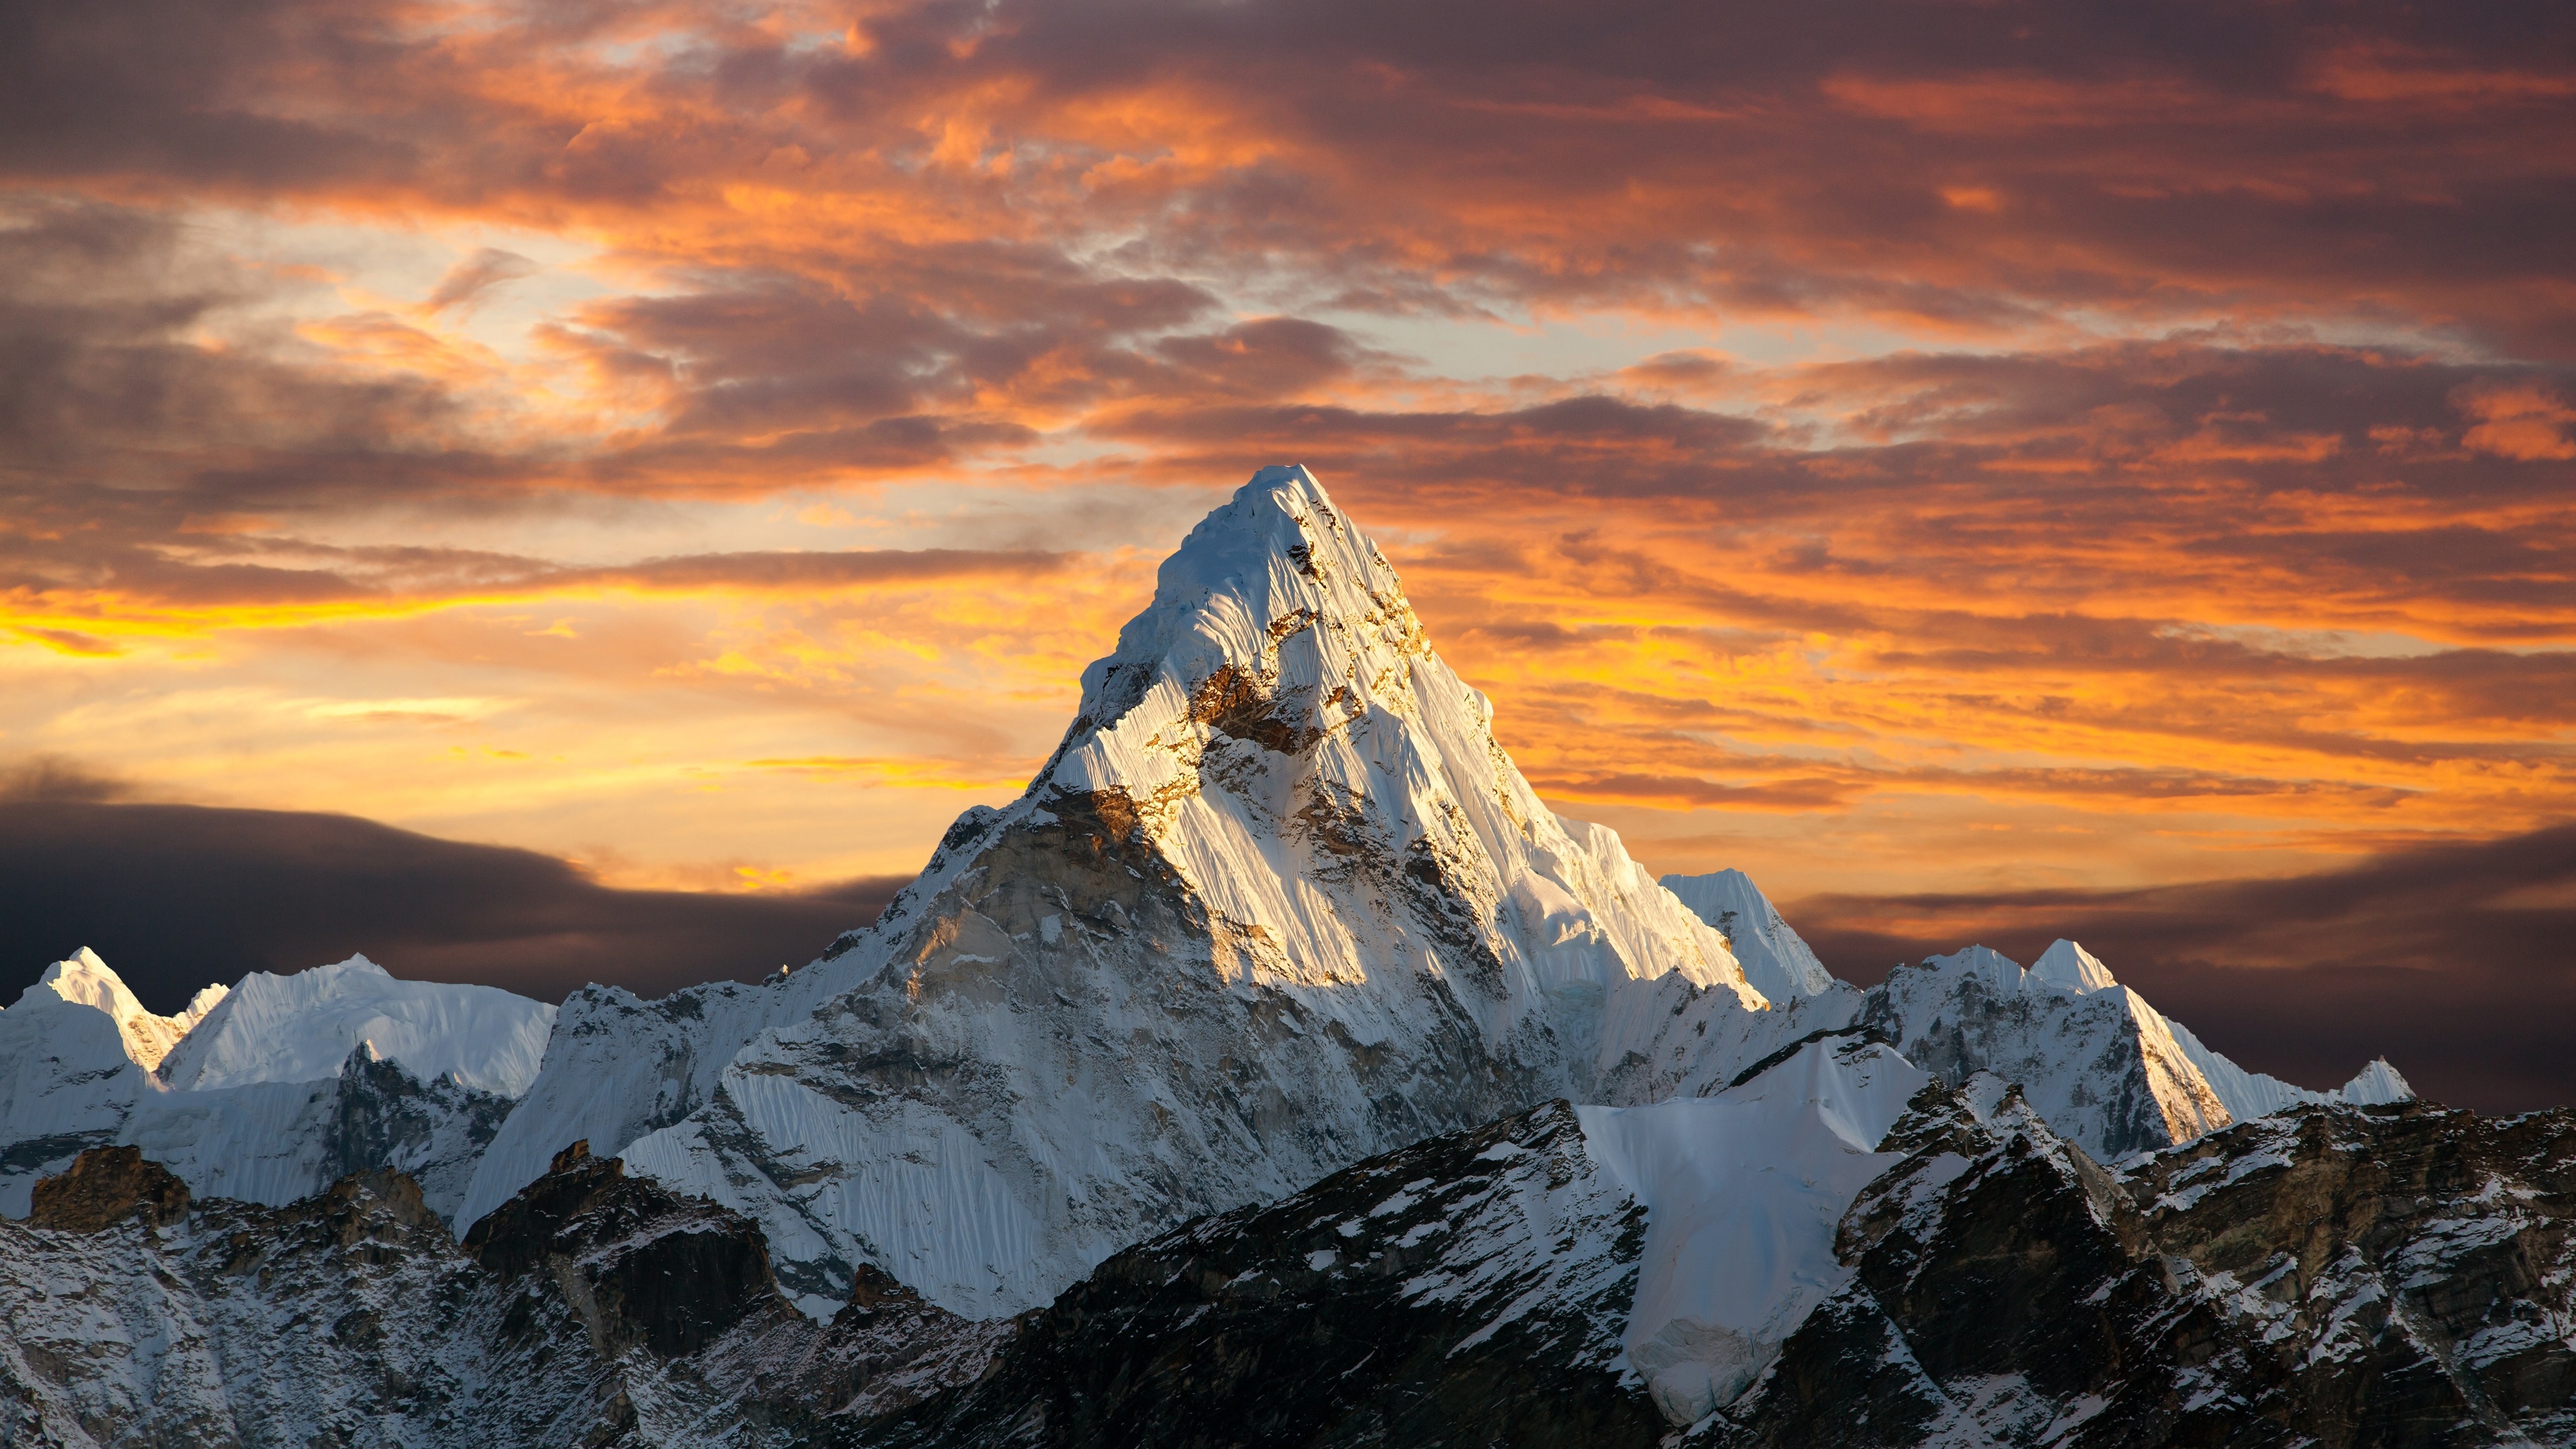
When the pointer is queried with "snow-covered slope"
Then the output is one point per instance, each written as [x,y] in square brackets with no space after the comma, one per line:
[617,1067]
[1743,1191]
[299,1028]
[276,1142]
[66,1084]
[2099,1065]
[251,1101]
[2252,1094]
[2068,967]
[1278,901]
[1775,959]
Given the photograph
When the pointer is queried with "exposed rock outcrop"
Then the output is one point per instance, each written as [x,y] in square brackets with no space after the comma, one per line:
[105,1186]
[2337,1276]
[1470,1291]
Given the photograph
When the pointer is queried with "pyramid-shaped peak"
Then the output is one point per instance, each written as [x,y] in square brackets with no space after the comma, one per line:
[84,979]
[1776,959]
[1282,854]
[1276,620]
[1280,549]
[2069,967]
[2377,1085]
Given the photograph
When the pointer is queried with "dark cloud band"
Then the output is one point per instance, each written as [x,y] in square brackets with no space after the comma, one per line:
[2454,961]
[176,896]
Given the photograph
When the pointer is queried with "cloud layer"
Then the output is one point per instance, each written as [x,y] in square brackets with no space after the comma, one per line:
[176,896]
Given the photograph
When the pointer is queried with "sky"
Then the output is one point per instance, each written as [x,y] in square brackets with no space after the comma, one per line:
[552,490]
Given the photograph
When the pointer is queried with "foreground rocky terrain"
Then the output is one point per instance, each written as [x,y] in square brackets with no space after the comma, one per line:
[2343,1276]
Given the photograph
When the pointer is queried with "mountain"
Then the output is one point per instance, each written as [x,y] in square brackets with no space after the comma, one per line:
[267,1091]
[2334,1276]
[68,1076]
[1277,901]
[2100,1066]
[1775,959]
[2069,967]
[299,1027]
[84,980]
[598,1311]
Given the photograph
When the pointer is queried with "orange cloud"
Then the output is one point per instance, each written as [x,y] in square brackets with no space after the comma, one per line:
[2524,421]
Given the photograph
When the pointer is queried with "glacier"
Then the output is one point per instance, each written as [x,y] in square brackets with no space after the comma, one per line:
[299,1028]
[1742,1192]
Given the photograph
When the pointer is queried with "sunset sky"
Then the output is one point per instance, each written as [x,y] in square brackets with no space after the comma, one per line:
[1969,465]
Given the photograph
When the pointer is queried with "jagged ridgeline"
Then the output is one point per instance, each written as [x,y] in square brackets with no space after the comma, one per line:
[1222,1089]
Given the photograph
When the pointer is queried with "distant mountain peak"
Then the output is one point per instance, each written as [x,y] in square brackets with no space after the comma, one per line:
[302,1026]
[2069,967]
[1776,960]
[84,980]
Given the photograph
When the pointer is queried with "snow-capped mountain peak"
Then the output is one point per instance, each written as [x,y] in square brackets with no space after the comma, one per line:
[1986,966]
[2069,967]
[83,979]
[1278,901]
[2375,1085]
[302,1027]
[266,1091]
[1776,960]
[1277,718]
[2102,1066]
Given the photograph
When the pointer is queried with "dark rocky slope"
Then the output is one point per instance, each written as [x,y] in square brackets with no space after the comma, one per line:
[593,1310]
[1469,1290]
[2340,1276]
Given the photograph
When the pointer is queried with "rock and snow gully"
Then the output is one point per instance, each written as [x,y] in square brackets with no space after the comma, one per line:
[1221,1089]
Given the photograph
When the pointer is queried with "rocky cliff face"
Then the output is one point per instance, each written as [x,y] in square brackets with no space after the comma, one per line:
[1470,1290]
[2337,1276]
